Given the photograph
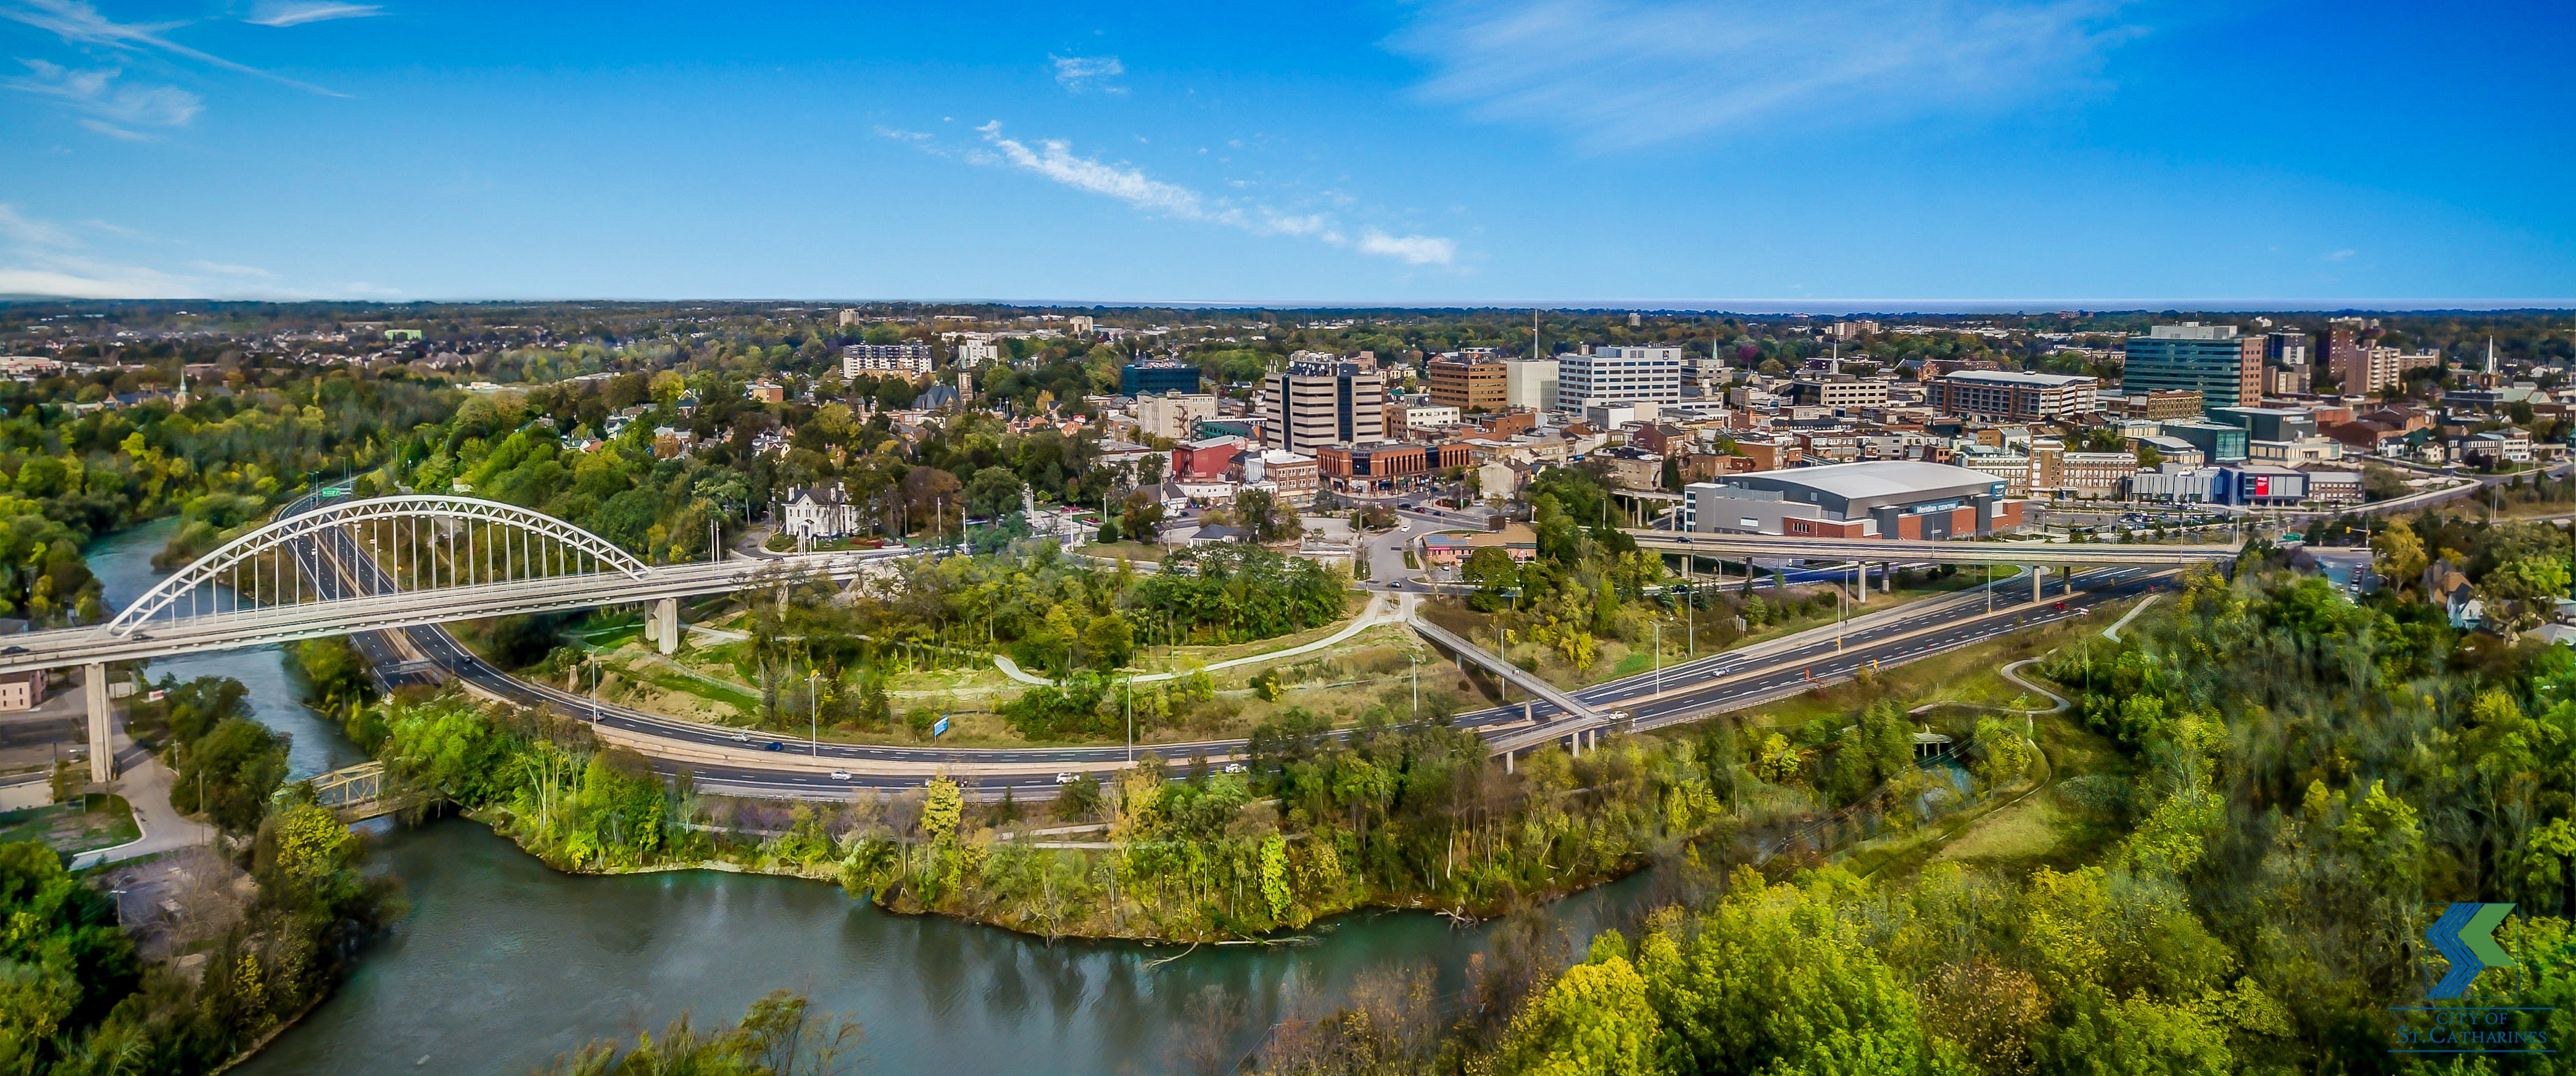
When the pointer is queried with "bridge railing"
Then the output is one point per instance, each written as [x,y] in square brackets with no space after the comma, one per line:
[380,545]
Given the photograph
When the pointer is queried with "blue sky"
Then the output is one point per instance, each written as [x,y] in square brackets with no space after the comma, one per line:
[1523,150]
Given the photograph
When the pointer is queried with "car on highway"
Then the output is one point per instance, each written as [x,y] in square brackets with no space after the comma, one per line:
[773,745]
[840,775]
[1064,778]
[742,737]
[2061,607]
[1234,767]
[14,650]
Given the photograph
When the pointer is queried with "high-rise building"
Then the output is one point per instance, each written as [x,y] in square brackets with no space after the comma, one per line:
[2340,351]
[1311,405]
[1530,383]
[1467,384]
[2224,367]
[1156,378]
[2287,347]
[1613,375]
[908,359]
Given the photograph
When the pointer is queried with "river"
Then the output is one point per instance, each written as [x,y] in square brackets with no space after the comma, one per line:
[123,564]
[504,964]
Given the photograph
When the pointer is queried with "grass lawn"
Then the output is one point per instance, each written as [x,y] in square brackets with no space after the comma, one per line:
[67,827]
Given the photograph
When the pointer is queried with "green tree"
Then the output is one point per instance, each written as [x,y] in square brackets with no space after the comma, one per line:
[1595,1020]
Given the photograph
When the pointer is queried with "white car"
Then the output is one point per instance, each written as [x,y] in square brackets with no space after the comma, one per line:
[742,737]
[1064,778]
[840,775]
[1234,767]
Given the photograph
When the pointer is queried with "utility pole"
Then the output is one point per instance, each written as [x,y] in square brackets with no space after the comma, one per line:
[813,715]
[1659,657]
[1129,704]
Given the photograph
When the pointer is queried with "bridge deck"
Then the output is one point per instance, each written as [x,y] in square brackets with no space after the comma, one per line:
[1950,552]
[1564,702]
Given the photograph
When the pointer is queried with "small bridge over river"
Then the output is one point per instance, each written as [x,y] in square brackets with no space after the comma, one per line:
[360,792]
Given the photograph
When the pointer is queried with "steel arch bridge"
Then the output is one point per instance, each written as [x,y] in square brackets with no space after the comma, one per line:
[411,542]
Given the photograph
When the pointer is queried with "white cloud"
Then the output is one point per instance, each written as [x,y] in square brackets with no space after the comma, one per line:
[115,107]
[1054,159]
[1416,249]
[275,13]
[43,258]
[1079,73]
[1623,73]
[81,24]
[2340,255]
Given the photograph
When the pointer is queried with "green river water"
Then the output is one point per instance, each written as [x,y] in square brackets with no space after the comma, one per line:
[504,963]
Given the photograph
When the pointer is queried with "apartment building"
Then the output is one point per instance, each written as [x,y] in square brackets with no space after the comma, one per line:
[1176,416]
[908,359]
[2015,396]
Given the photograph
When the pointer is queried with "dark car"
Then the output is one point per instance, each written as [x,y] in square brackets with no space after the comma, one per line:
[13,650]
[773,745]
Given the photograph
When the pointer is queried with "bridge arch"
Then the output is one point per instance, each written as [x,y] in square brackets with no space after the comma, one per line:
[549,547]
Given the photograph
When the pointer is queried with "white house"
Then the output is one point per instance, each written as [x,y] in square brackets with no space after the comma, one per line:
[818,511]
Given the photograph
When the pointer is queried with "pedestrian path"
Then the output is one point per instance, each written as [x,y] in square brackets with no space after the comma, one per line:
[1378,612]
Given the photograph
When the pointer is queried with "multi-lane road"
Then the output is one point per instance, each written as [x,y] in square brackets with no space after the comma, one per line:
[747,762]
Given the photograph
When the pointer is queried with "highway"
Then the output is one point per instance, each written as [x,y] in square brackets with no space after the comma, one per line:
[731,760]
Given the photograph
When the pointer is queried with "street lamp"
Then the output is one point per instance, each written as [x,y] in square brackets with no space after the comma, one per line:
[813,715]
[1659,657]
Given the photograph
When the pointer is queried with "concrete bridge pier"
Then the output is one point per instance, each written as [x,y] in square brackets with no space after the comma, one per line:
[2038,583]
[102,745]
[666,617]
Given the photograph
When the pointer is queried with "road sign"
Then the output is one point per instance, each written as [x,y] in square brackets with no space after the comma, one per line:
[940,729]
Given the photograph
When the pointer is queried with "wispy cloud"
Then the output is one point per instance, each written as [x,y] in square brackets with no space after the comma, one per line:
[1624,73]
[114,108]
[2340,255]
[1417,249]
[1055,160]
[80,23]
[45,258]
[1079,73]
[290,13]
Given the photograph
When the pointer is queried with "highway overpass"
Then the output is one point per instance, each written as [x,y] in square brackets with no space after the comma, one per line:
[1962,551]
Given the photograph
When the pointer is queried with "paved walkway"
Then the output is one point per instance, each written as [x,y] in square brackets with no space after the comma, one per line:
[1378,612]
[2113,632]
[145,783]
